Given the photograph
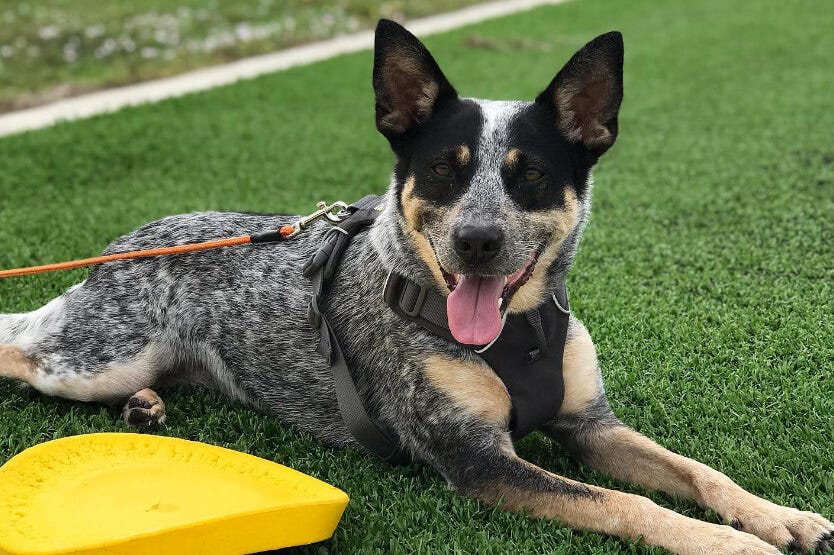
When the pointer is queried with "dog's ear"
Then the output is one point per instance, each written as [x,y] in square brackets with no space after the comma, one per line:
[587,92]
[407,81]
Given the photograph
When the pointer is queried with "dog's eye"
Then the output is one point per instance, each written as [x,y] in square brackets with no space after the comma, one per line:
[442,169]
[532,174]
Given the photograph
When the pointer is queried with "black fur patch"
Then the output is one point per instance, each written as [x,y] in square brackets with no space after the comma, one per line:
[456,123]
[542,147]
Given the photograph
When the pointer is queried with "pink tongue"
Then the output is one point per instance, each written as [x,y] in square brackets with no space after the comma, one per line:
[472,307]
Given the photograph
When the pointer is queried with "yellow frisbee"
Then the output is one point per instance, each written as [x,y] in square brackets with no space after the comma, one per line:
[132,493]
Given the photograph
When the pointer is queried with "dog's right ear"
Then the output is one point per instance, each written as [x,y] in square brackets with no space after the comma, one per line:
[407,81]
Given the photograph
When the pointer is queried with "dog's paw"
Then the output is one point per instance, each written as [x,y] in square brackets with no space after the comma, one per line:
[145,410]
[825,543]
[791,529]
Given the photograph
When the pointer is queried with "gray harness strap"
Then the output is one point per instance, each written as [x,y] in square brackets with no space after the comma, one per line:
[381,441]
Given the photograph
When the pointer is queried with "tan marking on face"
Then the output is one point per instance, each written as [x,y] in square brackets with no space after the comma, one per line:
[562,221]
[15,364]
[473,386]
[414,212]
[463,155]
[511,159]
[580,371]
[413,207]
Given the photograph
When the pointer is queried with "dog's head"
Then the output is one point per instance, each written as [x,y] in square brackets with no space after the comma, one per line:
[487,191]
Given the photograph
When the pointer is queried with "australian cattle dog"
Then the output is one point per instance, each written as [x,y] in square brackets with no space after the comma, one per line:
[485,209]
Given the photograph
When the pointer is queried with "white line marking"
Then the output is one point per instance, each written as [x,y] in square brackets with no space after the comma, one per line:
[151,91]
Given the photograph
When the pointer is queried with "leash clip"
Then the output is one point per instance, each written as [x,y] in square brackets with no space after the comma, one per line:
[334,213]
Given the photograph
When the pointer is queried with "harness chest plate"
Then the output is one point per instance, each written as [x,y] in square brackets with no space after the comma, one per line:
[533,377]
[526,356]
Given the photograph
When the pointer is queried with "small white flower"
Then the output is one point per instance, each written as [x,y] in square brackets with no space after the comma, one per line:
[94,31]
[6,51]
[265,31]
[149,52]
[70,53]
[353,23]
[48,32]
[217,40]
[127,43]
[243,31]
[106,48]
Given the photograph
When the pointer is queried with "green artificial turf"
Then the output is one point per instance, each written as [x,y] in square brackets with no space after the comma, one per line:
[705,276]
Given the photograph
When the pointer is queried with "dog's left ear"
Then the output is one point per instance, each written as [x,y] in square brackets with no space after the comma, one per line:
[407,81]
[587,92]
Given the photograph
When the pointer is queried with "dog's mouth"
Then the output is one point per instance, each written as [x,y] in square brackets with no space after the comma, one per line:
[476,304]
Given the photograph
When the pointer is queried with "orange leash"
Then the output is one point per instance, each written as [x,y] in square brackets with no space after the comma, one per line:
[333,212]
[194,247]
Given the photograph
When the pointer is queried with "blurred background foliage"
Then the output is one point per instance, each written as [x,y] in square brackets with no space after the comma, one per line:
[50,49]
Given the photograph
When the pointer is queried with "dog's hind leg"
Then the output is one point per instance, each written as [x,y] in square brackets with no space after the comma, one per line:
[81,346]
[14,364]
[144,408]
[54,374]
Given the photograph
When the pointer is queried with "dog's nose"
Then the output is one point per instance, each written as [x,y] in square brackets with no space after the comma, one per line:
[476,244]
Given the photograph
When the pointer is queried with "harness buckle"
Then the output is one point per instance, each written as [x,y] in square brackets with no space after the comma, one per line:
[395,291]
[418,302]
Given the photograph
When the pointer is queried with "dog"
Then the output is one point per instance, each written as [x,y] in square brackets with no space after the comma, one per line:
[486,207]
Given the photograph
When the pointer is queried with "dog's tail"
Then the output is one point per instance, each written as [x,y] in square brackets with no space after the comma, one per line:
[12,326]
[16,329]
[20,332]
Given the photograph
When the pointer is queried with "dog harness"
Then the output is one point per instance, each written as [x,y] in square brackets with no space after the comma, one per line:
[526,356]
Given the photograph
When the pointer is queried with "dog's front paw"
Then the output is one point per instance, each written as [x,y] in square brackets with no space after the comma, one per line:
[797,531]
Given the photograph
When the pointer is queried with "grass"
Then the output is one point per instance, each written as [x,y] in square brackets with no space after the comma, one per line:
[705,276]
[55,48]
